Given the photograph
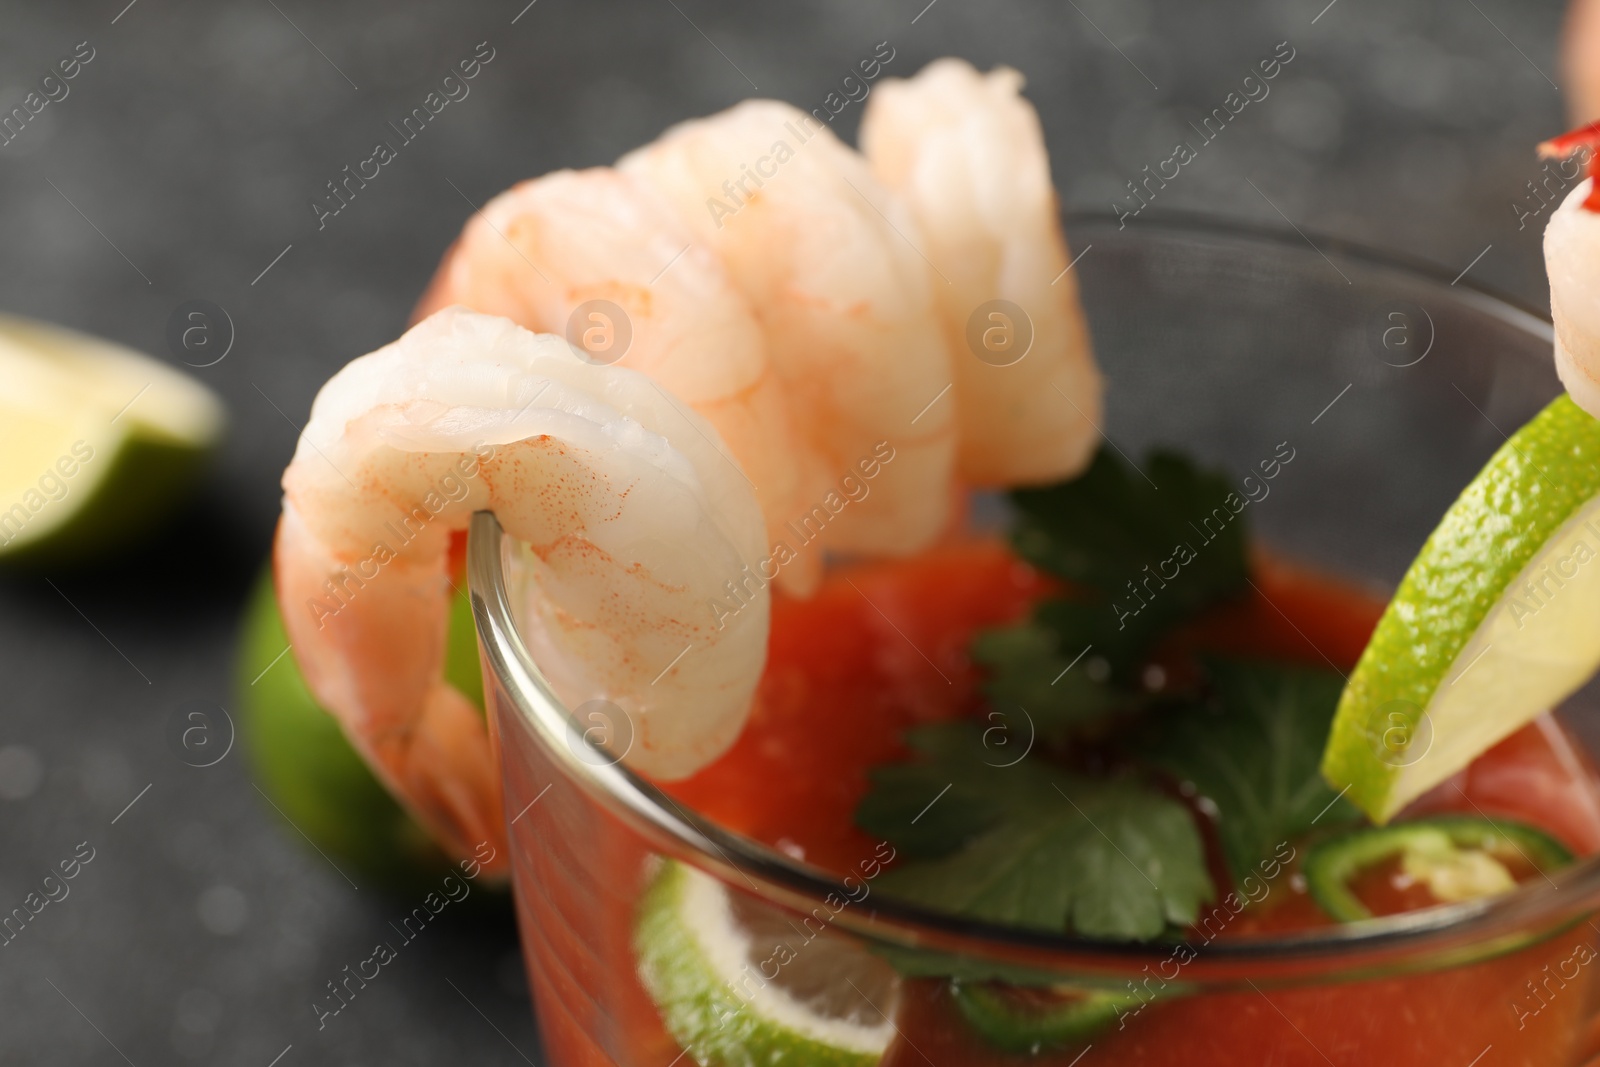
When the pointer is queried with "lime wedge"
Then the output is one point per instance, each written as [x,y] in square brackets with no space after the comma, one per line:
[1497,620]
[96,440]
[740,984]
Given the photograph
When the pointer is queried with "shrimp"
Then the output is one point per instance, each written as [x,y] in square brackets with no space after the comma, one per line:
[966,153]
[540,252]
[1580,60]
[1572,260]
[841,291]
[633,517]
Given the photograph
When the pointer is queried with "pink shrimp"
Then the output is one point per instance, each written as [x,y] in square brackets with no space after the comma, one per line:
[634,520]
[965,152]
[1571,243]
[842,293]
[599,245]
[1580,60]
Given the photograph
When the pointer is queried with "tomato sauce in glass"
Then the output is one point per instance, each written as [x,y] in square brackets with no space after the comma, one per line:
[883,647]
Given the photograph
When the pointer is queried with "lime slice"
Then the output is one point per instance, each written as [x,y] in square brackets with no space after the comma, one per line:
[1497,620]
[308,769]
[96,440]
[740,984]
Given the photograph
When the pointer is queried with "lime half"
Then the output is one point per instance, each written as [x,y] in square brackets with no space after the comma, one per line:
[1497,620]
[96,440]
[740,984]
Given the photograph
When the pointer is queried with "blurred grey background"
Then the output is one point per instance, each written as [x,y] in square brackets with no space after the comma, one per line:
[182,165]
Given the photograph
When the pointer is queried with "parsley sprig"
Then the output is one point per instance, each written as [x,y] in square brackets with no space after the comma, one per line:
[1138,561]
[1033,846]
[1115,855]
[1252,749]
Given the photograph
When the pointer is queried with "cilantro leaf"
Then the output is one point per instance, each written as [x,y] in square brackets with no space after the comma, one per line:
[1026,845]
[1028,669]
[1101,529]
[1253,750]
[926,808]
[1141,559]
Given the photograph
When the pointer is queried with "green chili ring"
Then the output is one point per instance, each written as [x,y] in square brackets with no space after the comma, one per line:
[1006,1019]
[1331,866]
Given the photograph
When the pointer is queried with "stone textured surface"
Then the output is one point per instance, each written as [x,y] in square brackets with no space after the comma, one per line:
[193,143]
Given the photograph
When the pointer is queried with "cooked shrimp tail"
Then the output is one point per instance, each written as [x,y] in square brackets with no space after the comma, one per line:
[633,522]
[965,153]
[1572,260]
[606,248]
[842,293]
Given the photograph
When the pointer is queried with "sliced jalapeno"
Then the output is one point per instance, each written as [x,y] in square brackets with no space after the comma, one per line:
[1017,1019]
[1461,857]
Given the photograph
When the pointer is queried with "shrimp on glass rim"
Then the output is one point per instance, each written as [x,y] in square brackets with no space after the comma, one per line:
[785,335]
[814,304]
[965,152]
[1572,260]
[540,252]
[842,293]
[633,518]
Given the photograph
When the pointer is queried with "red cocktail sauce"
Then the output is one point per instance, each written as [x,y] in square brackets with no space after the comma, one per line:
[882,647]
[853,667]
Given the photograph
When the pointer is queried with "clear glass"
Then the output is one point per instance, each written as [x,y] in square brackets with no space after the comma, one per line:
[1393,385]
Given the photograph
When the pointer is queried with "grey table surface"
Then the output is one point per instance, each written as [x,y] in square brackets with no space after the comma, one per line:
[182,165]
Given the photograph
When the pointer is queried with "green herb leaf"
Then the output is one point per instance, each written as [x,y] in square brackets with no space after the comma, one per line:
[1101,529]
[1142,559]
[1025,845]
[1253,750]
[1029,671]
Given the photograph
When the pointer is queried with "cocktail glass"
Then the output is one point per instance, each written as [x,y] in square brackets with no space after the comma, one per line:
[1393,385]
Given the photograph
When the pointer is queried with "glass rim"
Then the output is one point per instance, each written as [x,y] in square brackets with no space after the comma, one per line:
[1432,937]
[1172,222]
